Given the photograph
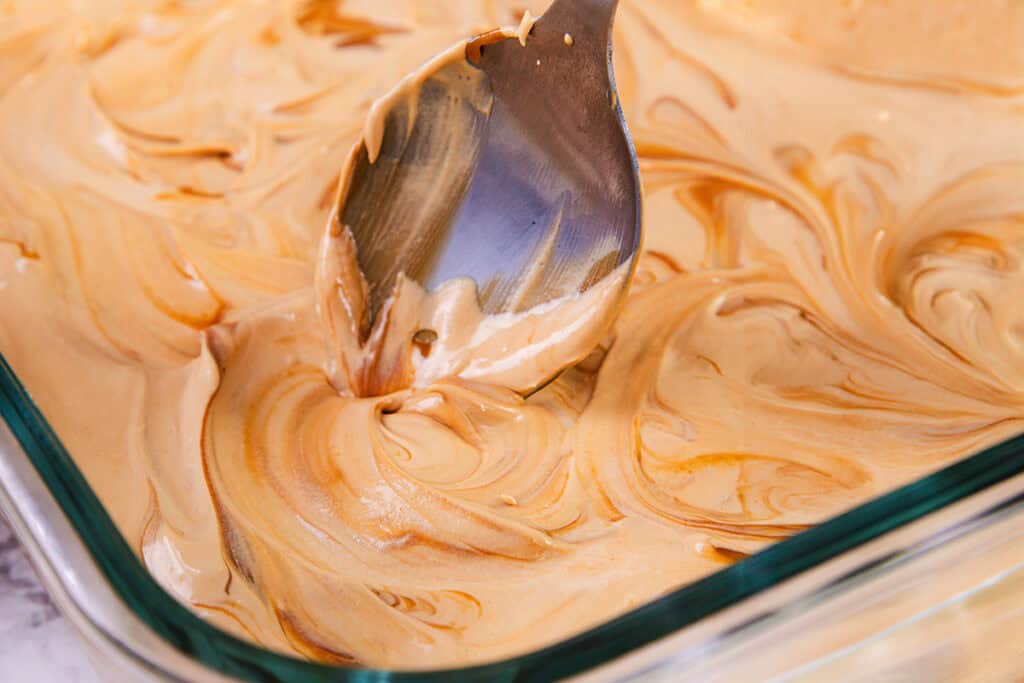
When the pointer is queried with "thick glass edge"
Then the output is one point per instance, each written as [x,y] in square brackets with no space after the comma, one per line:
[220,651]
[757,641]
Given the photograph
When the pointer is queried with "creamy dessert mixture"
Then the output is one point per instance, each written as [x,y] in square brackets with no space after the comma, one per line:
[828,305]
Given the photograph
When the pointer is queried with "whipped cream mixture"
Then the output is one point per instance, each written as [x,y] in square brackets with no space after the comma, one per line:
[828,305]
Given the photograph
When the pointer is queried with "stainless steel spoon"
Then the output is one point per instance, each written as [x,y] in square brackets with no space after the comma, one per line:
[513,167]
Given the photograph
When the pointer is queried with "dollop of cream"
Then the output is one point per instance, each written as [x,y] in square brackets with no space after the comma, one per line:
[827,306]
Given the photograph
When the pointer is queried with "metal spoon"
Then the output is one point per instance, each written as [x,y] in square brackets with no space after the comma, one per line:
[513,167]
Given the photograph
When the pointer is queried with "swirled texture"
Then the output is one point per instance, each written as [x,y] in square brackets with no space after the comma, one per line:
[827,306]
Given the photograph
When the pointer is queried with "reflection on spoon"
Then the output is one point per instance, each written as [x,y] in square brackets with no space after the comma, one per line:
[487,224]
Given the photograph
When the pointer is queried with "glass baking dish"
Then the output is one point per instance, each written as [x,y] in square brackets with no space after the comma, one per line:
[865,592]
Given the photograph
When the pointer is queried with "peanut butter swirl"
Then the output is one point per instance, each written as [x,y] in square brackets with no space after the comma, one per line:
[827,306]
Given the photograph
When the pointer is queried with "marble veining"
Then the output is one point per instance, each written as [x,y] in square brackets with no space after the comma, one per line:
[36,642]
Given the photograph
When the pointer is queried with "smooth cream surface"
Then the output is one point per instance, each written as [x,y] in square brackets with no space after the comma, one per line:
[827,306]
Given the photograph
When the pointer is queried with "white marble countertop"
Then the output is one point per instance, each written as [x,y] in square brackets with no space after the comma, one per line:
[36,643]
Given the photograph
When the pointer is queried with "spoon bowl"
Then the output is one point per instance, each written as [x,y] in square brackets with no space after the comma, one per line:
[505,160]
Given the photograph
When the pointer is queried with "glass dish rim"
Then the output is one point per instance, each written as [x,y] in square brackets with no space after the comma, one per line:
[677,609]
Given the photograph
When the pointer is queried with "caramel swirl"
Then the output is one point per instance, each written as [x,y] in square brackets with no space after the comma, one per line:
[827,306]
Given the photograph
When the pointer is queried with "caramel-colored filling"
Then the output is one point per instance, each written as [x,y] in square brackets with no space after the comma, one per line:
[828,305]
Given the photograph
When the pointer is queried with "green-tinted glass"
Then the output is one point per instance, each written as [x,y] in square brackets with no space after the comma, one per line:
[218,650]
